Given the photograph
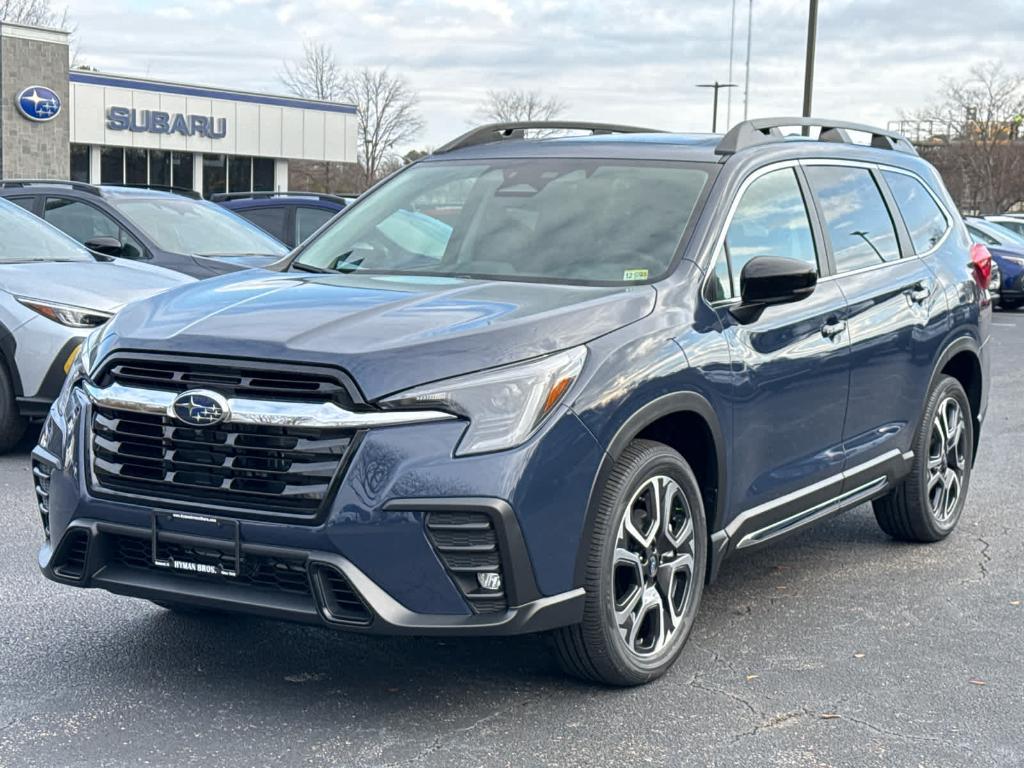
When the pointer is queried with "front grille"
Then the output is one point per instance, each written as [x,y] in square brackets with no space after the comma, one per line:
[69,562]
[239,467]
[41,478]
[269,573]
[467,544]
[229,378]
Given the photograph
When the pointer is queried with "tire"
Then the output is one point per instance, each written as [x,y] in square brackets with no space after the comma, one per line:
[12,423]
[1009,304]
[923,506]
[656,604]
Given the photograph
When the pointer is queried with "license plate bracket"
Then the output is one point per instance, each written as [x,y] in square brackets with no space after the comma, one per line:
[234,539]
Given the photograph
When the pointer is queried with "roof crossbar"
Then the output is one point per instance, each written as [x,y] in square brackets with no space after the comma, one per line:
[486,134]
[765,130]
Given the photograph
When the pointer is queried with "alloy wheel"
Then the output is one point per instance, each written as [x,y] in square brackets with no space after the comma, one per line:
[652,573]
[947,461]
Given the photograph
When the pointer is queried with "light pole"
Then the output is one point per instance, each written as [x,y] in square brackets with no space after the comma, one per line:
[717,86]
[750,37]
[732,51]
[812,39]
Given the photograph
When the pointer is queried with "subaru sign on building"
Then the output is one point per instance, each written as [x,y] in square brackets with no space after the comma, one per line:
[112,129]
[37,102]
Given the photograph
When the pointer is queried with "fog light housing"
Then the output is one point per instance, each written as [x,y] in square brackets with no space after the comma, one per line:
[489,581]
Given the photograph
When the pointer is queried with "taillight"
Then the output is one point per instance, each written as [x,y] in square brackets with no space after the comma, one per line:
[981,260]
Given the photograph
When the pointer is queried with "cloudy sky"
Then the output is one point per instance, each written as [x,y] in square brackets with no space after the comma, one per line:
[613,60]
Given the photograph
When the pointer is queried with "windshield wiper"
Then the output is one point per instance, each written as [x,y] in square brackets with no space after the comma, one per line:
[309,268]
[230,255]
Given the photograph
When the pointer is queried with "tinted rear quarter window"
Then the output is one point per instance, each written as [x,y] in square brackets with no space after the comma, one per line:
[857,220]
[925,220]
[309,220]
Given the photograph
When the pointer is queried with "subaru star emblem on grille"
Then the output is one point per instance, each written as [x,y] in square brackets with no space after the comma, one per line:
[200,408]
[39,103]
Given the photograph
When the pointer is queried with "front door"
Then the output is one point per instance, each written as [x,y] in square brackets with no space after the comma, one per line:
[790,367]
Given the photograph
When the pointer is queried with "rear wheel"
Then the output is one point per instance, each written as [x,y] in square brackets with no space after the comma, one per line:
[1009,304]
[12,423]
[927,504]
[645,570]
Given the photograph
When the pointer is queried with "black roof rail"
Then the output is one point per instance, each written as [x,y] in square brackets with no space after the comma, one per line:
[79,185]
[491,132]
[183,191]
[765,130]
[218,197]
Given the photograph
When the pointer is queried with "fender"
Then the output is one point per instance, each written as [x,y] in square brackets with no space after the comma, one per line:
[677,402]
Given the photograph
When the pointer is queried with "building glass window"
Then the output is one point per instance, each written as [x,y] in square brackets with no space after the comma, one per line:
[239,174]
[111,165]
[182,170]
[79,162]
[262,174]
[215,175]
[135,167]
[160,167]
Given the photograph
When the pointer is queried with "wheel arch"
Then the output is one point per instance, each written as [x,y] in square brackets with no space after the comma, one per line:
[961,359]
[687,423]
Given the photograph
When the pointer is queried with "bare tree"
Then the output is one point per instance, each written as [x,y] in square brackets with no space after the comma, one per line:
[40,13]
[316,75]
[513,105]
[975,137]
[37,13]
[388,117]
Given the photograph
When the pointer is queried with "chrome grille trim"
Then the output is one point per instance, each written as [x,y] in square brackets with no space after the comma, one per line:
[274,413]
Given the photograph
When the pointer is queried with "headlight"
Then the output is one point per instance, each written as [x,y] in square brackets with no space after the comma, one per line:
[504,405]
[65,314]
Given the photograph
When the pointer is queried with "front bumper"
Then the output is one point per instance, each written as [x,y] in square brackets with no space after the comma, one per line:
[375,533]
[384,614]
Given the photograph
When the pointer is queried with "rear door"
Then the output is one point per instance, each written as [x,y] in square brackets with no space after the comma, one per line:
[790,366]
[897,315]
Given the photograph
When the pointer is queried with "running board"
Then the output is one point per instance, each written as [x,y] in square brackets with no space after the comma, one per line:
[844,501]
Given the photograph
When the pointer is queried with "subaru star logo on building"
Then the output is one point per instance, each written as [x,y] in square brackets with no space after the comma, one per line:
[200,408]
[39,103]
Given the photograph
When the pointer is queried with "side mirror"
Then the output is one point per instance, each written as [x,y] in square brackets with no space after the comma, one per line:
[108,246]
[769,280]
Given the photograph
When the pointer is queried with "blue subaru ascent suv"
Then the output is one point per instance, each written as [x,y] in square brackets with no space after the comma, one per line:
[537,384]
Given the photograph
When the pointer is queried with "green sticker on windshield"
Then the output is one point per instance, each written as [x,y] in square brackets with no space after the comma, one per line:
[634,274]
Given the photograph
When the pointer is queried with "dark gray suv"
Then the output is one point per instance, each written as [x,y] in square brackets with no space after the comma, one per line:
[176,230]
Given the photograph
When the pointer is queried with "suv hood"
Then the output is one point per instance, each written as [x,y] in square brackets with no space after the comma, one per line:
[103,285]
[389,333]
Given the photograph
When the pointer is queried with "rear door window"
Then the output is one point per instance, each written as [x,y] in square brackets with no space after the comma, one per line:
[770,220]
[857,220]
[270,220]
[28,203]
[925,219]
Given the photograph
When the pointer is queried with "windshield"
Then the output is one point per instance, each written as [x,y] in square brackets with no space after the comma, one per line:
[29,238]
[196,227]
[567,220]
[998,234]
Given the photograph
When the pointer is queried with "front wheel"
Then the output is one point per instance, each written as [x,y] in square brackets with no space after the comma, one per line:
[644,571]
[12,423]
[927,504]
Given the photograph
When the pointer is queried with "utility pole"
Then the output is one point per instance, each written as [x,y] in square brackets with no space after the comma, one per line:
[717,86]
[812,39]
[750,35]
[732,51]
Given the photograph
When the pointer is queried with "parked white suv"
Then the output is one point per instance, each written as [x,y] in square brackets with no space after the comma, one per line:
[53,292]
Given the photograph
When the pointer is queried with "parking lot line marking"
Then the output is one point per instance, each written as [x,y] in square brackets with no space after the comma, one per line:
[1006,325]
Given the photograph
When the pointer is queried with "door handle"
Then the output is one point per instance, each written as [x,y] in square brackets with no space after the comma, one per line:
[919,293]
[832,329]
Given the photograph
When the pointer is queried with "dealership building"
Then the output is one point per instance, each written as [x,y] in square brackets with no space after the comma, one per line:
[108,129]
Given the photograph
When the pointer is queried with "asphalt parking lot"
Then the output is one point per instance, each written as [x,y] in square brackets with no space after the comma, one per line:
[837,647]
